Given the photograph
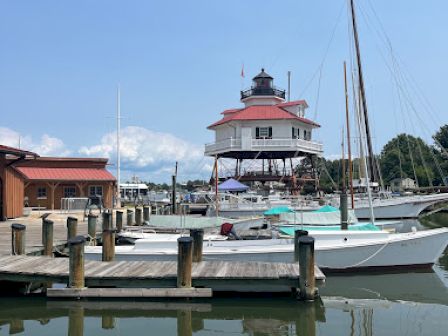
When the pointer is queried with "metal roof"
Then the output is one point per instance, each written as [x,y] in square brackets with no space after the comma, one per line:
[66,174]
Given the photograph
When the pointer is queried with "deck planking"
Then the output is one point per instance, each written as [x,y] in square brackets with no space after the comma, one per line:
[225,275]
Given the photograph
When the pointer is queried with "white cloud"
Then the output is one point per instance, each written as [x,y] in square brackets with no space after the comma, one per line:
[46,146]
[152,155]
[149,155]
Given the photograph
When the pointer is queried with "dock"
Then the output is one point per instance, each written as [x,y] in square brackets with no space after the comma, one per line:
[219,276]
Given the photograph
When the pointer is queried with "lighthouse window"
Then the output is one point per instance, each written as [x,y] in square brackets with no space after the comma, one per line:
[263,132]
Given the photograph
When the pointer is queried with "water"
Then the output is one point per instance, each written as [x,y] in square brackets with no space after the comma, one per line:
[392,304]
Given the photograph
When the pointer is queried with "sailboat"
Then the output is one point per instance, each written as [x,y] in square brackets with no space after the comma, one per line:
[384,207]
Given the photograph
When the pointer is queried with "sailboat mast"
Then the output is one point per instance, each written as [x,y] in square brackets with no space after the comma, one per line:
[350,170]
[372,166]
[118,202]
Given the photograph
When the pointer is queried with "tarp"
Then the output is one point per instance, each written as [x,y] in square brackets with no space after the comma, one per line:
[289,230]
[187,222]
[317,218]
[327,208]
[278,211]
[232,185]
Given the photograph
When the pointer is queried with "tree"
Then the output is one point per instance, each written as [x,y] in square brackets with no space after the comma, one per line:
[441,138]
[408,156]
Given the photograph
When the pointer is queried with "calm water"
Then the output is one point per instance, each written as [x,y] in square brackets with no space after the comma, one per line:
[403,304]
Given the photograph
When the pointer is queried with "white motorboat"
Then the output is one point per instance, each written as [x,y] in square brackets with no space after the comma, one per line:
[342,251]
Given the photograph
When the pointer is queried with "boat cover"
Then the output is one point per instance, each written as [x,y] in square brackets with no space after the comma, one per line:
[278,211]
[289,230]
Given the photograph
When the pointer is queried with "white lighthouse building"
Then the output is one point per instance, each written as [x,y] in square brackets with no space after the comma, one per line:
[267,128]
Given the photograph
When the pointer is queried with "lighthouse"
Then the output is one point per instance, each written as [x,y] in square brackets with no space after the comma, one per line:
[267,129]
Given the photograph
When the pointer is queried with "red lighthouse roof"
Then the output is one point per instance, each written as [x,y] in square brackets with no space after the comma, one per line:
[263,112]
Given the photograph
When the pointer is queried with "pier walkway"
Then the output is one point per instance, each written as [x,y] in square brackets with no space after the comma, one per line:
[217,275]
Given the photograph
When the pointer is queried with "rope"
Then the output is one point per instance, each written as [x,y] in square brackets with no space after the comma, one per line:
[361,262]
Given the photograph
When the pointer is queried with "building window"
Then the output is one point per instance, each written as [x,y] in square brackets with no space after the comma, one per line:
[95,191]
[293,133]
[263,132]
[41,192]
[69,192]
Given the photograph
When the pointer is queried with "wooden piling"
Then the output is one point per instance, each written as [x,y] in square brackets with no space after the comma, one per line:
[76,262]
[297,235]
[16,326]
[198,238]
[108,250]
[119,221]
[72,227]
[76,321]
[146,213]
[129,217]
[138,216]
[184,327]
[306,266]
[184,261]
[107,221]
[91,227]
[18,239]
[47,226]
[343,207]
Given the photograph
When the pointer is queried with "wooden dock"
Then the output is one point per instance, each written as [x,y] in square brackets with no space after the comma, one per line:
[34,234]
[219,276]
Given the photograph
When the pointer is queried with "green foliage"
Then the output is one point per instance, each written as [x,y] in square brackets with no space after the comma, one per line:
[441,138]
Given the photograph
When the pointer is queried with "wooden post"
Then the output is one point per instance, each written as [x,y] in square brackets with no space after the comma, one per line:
[297,235]
[146,213]
[48,237]
[306,266]
[76,321]
[138,216]
[173,195]
[91,227]
[343,210]
[198,237]
[76,262]
[16,326]
[107,221]
[72,227]
[129,217]
[184,327]
[108,251]
[119,220]
[184,261]
[18,239]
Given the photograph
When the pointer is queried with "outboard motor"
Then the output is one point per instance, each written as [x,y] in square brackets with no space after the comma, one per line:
[228,230]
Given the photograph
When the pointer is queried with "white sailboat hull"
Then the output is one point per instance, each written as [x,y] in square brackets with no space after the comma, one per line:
[336,251]
[405,207]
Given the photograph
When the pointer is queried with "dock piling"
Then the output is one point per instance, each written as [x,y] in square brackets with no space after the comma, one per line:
[18,239]
[129,217]
[47,229]
[138,216]
[76,262]
[119,221]
[72,227]
[297,235]
[91,227]
[107,322]
[108,250]
[107,221]
[184,323]
[198,238]
[307,281]
[146,212]
[184,262]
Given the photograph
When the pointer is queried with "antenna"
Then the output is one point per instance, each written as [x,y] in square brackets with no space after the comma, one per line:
[289,86]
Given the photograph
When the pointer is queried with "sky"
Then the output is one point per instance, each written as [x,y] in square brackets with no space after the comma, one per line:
[178,65]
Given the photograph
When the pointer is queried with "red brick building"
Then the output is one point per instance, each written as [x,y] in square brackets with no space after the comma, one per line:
[29,180]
